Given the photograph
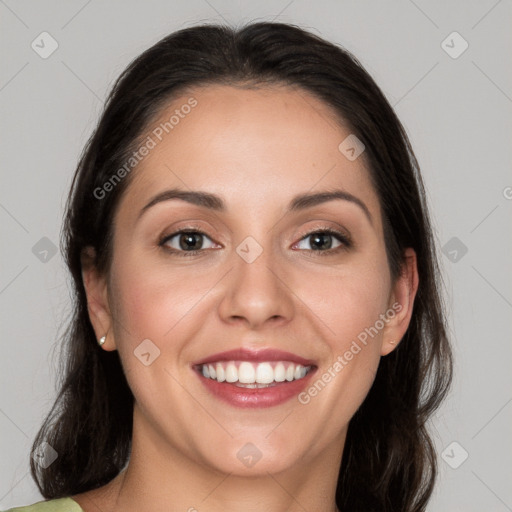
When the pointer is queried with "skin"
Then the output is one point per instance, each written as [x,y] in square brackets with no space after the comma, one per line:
[256,149]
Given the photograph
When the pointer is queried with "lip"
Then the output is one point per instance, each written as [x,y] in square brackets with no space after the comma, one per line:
[271,396]
[266,354]
[240,397]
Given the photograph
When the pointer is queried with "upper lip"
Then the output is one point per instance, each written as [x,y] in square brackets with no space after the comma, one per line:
[266,354]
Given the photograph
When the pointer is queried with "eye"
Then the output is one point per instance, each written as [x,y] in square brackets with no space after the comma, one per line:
[321,241]
[189,242]
[185,242]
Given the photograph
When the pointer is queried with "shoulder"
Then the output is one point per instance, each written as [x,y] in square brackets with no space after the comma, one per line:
[58,505]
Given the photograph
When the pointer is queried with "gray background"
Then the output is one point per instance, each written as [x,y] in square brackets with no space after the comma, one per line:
[457,112]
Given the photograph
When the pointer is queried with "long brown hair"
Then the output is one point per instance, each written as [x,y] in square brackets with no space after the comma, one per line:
[389,462]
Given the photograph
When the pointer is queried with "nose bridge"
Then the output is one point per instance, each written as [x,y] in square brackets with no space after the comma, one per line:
[256,290]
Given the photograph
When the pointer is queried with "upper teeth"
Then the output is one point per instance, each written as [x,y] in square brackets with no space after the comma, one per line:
[246,372]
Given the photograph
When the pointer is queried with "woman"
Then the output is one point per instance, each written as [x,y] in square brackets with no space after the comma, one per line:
[258,322]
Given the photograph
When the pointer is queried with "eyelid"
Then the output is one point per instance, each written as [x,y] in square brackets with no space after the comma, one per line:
[189,226]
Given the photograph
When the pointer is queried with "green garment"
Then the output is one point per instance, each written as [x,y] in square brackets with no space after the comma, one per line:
[58,505]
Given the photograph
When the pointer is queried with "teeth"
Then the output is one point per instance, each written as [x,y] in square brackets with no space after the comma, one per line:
[279,372]
[254,375]
[246,373]
[264,374]
[300,372]
[231,373]
[221,374]
[254,386]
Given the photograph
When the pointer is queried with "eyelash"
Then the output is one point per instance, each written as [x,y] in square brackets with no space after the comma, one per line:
[346,243]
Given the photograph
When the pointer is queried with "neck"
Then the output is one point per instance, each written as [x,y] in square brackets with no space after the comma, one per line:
[157,478]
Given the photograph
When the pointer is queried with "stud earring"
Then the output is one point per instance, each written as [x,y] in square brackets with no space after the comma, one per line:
[102,340]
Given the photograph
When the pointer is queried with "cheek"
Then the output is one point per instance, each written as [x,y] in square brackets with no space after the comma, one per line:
[151,304]
[349,302]
[153,300]
[354,337]
[359,305]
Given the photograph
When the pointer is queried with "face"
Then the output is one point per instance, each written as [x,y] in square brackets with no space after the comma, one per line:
[286,283]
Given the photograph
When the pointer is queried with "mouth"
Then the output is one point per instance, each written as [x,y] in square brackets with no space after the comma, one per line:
[245,378]
[253,375]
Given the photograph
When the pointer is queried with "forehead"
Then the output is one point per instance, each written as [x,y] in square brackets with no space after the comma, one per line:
[254,147]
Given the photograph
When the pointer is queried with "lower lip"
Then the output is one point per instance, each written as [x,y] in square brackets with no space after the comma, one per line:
[255,397]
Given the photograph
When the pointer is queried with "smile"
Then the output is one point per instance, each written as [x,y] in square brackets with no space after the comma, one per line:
[253,379]
[254,375]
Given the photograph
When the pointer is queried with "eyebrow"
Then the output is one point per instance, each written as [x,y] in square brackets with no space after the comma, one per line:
[214,202]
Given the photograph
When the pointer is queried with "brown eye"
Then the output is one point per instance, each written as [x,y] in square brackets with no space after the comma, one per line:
[185,241]
[321,241]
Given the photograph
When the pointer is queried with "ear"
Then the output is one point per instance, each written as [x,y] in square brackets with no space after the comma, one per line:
[401,303]
[96,290]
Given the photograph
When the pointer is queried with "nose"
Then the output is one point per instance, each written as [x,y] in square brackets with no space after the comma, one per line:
[257,294]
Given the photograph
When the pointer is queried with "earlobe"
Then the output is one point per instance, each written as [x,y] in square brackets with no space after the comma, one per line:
[402,302]
[96,291]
